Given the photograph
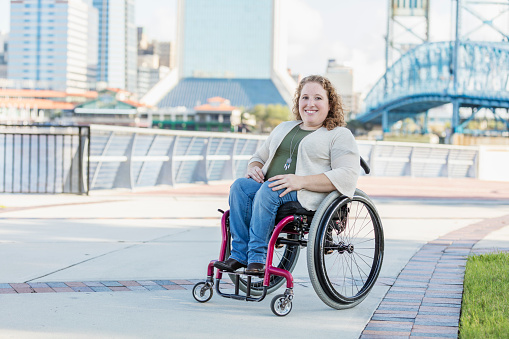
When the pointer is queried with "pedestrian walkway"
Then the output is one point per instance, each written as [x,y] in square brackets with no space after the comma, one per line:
[95,259]
[387,187]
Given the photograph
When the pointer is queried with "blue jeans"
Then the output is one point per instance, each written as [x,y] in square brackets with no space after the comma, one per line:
[253,208]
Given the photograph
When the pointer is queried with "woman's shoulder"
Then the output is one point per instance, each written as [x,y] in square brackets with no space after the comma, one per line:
[342,130]
[338,135]
[337,131]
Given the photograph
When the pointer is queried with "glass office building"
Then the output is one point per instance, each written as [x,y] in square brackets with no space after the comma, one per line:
[231,49]
[226,39]
[48,43]
[117,44]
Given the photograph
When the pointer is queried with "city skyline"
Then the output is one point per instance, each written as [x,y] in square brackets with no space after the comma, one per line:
[318,30]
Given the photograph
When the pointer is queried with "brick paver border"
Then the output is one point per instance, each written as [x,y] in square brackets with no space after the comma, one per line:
[425,299]
[102,286]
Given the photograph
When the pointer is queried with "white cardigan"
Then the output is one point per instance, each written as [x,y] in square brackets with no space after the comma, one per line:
[333,153]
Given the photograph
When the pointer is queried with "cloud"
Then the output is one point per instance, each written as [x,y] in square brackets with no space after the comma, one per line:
[164,25]
[160,22]
[305,29]
[366,70]
[317,35]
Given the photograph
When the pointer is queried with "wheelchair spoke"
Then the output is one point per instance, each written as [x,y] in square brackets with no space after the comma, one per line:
[350,266]
[364,255]
[364,225]
[358,266]
[366,222]
[361,242]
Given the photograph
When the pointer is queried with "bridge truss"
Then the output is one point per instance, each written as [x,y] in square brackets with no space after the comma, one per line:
[472,75]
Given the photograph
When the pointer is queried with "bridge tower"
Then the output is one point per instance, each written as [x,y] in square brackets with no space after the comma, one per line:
[407,27]
[479,20]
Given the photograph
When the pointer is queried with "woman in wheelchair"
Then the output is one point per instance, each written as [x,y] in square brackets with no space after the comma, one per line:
[301,160]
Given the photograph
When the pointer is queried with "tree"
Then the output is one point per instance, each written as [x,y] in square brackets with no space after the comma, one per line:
[268,117]
[276,114]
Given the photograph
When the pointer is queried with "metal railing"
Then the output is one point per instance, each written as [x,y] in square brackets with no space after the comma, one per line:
[44,159]
[123,157]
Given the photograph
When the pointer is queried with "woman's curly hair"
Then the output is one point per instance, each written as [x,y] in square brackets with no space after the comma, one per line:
[336,116]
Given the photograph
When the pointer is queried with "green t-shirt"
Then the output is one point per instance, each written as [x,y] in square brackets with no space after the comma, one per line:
[292,139]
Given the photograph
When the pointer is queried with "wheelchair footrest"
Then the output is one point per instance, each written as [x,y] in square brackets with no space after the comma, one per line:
[236,295]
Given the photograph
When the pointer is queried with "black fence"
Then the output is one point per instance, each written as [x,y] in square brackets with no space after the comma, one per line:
[44,159]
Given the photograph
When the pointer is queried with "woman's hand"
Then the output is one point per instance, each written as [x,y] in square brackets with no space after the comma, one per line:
[255,173]
[292,182]
[288,182]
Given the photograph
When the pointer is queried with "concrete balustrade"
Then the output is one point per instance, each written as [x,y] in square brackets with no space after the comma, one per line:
[124,157]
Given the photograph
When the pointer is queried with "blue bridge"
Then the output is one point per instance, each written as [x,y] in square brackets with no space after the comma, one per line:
[432,75]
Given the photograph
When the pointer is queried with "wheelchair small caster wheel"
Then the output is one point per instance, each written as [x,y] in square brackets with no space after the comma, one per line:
[281,305]
[202,292]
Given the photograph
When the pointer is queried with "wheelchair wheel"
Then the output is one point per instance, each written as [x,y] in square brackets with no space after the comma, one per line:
[202,292]
[345,249]
[281,305]
[285,257]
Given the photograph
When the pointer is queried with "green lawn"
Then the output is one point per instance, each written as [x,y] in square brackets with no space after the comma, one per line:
[485,305]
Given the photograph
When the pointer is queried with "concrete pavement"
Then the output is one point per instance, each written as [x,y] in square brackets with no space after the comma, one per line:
[167,237]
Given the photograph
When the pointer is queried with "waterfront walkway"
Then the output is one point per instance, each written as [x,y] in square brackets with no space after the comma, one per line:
[65,258]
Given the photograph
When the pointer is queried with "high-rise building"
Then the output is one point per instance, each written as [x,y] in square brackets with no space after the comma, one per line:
[3,55]
[144,46]
[117,44]
[92,51]
[153,62]
[149,72]
[219,40]
[48,43]
[232,49]
[166,52]
[341,77]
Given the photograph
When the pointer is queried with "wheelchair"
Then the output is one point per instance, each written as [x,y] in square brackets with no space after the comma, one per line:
[345,246]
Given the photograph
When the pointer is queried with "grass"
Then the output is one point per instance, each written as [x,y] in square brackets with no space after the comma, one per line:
[485,305]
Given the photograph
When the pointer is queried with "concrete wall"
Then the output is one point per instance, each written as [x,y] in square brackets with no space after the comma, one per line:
[494,163]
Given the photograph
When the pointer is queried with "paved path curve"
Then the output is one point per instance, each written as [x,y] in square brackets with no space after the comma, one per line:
[425,299]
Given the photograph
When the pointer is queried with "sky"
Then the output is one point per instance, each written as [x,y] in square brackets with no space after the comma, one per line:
[352,32]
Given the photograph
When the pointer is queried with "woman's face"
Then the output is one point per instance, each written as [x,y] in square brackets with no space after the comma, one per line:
[313,105]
